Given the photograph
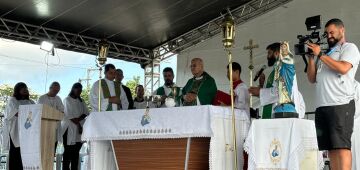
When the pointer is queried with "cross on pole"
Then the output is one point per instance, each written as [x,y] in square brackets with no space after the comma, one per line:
[251,64]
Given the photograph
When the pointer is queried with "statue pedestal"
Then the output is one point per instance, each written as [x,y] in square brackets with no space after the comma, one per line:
[286,115]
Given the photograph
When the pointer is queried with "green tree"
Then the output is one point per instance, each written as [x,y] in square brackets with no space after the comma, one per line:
[131,84]
[6,91]
[85,95]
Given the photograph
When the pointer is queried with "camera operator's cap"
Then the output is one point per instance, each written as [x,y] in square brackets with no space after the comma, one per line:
[313,23]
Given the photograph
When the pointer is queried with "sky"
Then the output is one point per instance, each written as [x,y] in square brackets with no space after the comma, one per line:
[24,62]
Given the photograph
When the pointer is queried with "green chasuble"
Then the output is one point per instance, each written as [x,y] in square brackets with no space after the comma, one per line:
[204,88]
[267,109]
[161,91]
[106,93]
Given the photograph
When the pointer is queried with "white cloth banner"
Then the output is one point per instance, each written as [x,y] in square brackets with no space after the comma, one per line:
[221,144]
[29,124]
[179,122]
[281,143]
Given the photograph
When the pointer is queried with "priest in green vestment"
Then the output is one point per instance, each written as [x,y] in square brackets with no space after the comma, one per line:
[169,87]
[110,92]
[201,89]
[110,96]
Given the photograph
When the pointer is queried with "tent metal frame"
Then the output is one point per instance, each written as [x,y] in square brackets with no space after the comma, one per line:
[34,34]
[242,14]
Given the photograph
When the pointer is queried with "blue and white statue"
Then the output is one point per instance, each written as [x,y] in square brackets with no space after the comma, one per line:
[284,78]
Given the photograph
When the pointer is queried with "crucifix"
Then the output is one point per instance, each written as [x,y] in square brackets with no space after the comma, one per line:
[251,64]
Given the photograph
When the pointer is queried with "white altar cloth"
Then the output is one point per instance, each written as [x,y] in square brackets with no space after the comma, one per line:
[281,144]
[165,123]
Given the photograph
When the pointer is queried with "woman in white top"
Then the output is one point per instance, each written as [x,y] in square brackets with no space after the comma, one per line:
[75,112]
[20,97]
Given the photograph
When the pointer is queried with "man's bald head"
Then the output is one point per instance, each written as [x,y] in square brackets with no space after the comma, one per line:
[198,60]
[54,89]
[197,67]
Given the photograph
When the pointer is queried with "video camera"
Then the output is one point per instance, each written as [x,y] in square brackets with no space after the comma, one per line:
[312,24]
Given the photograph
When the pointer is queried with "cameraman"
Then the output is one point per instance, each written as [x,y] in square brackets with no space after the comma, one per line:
[333,73]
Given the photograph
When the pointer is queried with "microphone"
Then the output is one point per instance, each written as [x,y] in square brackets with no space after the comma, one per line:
[260,72]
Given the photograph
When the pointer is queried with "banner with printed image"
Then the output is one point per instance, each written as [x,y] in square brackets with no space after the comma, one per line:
[29,124]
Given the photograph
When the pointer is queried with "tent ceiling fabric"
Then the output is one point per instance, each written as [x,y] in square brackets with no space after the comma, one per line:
[139,23]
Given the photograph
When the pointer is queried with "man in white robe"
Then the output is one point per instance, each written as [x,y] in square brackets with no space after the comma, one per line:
[110,101]
[51,98]
[109,96]
[241,93]
[269,95]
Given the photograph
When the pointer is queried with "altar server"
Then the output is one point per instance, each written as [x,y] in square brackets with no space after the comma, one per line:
[71,126]
[20,97]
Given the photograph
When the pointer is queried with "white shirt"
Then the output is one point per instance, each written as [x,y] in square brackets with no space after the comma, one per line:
[73,108]
[11,121]
[94,96]
[142,105]
[242,97]
[54,102]
[332,88]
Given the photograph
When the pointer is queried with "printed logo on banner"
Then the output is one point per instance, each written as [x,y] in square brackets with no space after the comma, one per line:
[28,121]
[145,119]
[275,151]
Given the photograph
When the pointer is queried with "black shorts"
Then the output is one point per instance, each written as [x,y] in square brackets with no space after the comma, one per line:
[334,126]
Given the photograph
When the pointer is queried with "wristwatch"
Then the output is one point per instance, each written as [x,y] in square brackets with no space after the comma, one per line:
[320,54]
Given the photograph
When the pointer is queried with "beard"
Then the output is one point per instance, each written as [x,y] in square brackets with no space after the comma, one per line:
[168,83]
[271,61]
[332,42]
